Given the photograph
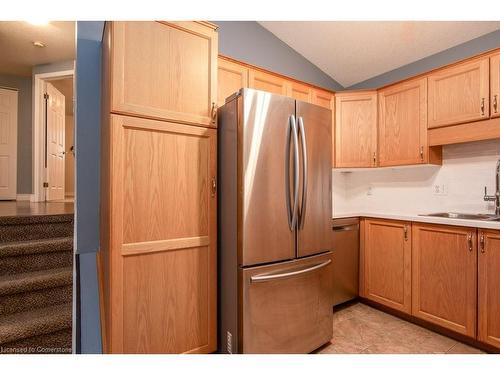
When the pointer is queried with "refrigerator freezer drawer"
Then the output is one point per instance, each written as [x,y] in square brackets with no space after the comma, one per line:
[287,307]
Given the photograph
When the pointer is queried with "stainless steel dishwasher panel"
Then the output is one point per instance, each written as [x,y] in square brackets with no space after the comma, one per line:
[345,259]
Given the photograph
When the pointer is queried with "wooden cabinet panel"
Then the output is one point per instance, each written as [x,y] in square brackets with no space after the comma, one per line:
[231,78]
[165,70]
[299,91]
[267,82]
[386,263]
[444,269]
[489,282]
[323,98]
[459,94]
[403,124]
[495,85]
[164,279]
[356,129]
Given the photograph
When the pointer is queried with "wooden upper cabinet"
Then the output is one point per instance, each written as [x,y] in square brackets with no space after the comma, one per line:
[403,123]
[299,91]
[267,82]
[231,78]
[356,129]
[495,85]
[459,93]
[444,269]
[323,98]
[386,263]
[165,70]
[489,281]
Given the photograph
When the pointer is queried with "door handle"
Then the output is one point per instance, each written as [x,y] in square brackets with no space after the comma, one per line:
[304,172]
[291,133]
[277,276]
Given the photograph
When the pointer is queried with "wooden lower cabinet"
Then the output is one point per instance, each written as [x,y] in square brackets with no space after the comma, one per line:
[489,287]
[444,282]
[159,237]
[386,263]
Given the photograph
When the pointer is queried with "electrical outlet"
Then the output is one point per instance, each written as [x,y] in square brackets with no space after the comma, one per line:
[440,189]
[370,190]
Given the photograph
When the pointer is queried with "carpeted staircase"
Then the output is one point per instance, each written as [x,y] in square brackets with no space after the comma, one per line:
[36,272]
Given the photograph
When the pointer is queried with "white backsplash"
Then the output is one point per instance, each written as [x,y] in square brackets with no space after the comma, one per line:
[467,168]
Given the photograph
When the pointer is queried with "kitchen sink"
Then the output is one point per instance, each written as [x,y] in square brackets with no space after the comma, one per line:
[456,215]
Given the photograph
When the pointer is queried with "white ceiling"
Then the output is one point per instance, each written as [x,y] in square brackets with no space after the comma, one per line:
[353,51]
[17,53]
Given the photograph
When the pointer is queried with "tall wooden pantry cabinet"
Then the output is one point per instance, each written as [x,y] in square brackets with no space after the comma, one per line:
[158,193]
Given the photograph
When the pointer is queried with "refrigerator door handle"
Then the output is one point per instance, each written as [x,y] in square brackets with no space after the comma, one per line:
[274,276]
[304,172]
[292,212]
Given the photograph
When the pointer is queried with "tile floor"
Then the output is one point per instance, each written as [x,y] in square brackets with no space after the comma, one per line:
[359,329]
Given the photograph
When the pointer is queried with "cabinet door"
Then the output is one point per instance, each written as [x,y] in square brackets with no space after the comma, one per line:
[356,129]
[326,99]
[163,237]
[495,85]
[323,98]
[299,91]
[231,78]
[403,123]
[165,70]
[444,269]
[459,94]
[386,262]
[489,281]
[267,82]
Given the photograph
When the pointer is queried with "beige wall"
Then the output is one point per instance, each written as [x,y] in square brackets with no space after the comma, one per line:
[70,159]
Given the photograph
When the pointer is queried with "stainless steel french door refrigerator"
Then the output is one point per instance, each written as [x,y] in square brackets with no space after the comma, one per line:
[275,281]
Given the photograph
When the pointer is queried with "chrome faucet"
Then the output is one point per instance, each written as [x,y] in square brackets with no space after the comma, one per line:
[495,198]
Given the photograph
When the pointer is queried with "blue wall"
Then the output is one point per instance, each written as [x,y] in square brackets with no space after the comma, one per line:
[457,53]
[248,41]
[87,144]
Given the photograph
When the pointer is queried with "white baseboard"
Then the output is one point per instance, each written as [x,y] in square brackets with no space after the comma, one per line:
[25,197]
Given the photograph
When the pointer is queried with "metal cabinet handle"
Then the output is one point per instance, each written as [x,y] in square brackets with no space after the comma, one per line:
[374,158]
[262,278]
[481,242]
[214,186]
[291,133]
[469,240]
[405,229]
[495,103]
[213,112]
[422,153]
[304,172]
[482,106]
[345,228]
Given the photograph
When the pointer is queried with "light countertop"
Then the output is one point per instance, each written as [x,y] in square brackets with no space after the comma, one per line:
[423,219]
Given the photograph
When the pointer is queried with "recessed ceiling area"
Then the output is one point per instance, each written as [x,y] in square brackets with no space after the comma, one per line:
[19,55]
[353,51]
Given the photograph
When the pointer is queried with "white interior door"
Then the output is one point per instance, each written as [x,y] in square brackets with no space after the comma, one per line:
[56,114]
[8,144]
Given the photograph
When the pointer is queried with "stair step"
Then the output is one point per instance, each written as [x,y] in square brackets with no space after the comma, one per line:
[27,228]
[35,262]
[52,343]
[37,280]
[49,245]
[36,299]
[32,323]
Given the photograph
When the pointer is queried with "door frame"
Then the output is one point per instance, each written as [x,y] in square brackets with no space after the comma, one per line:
[16,161]
[39,170]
